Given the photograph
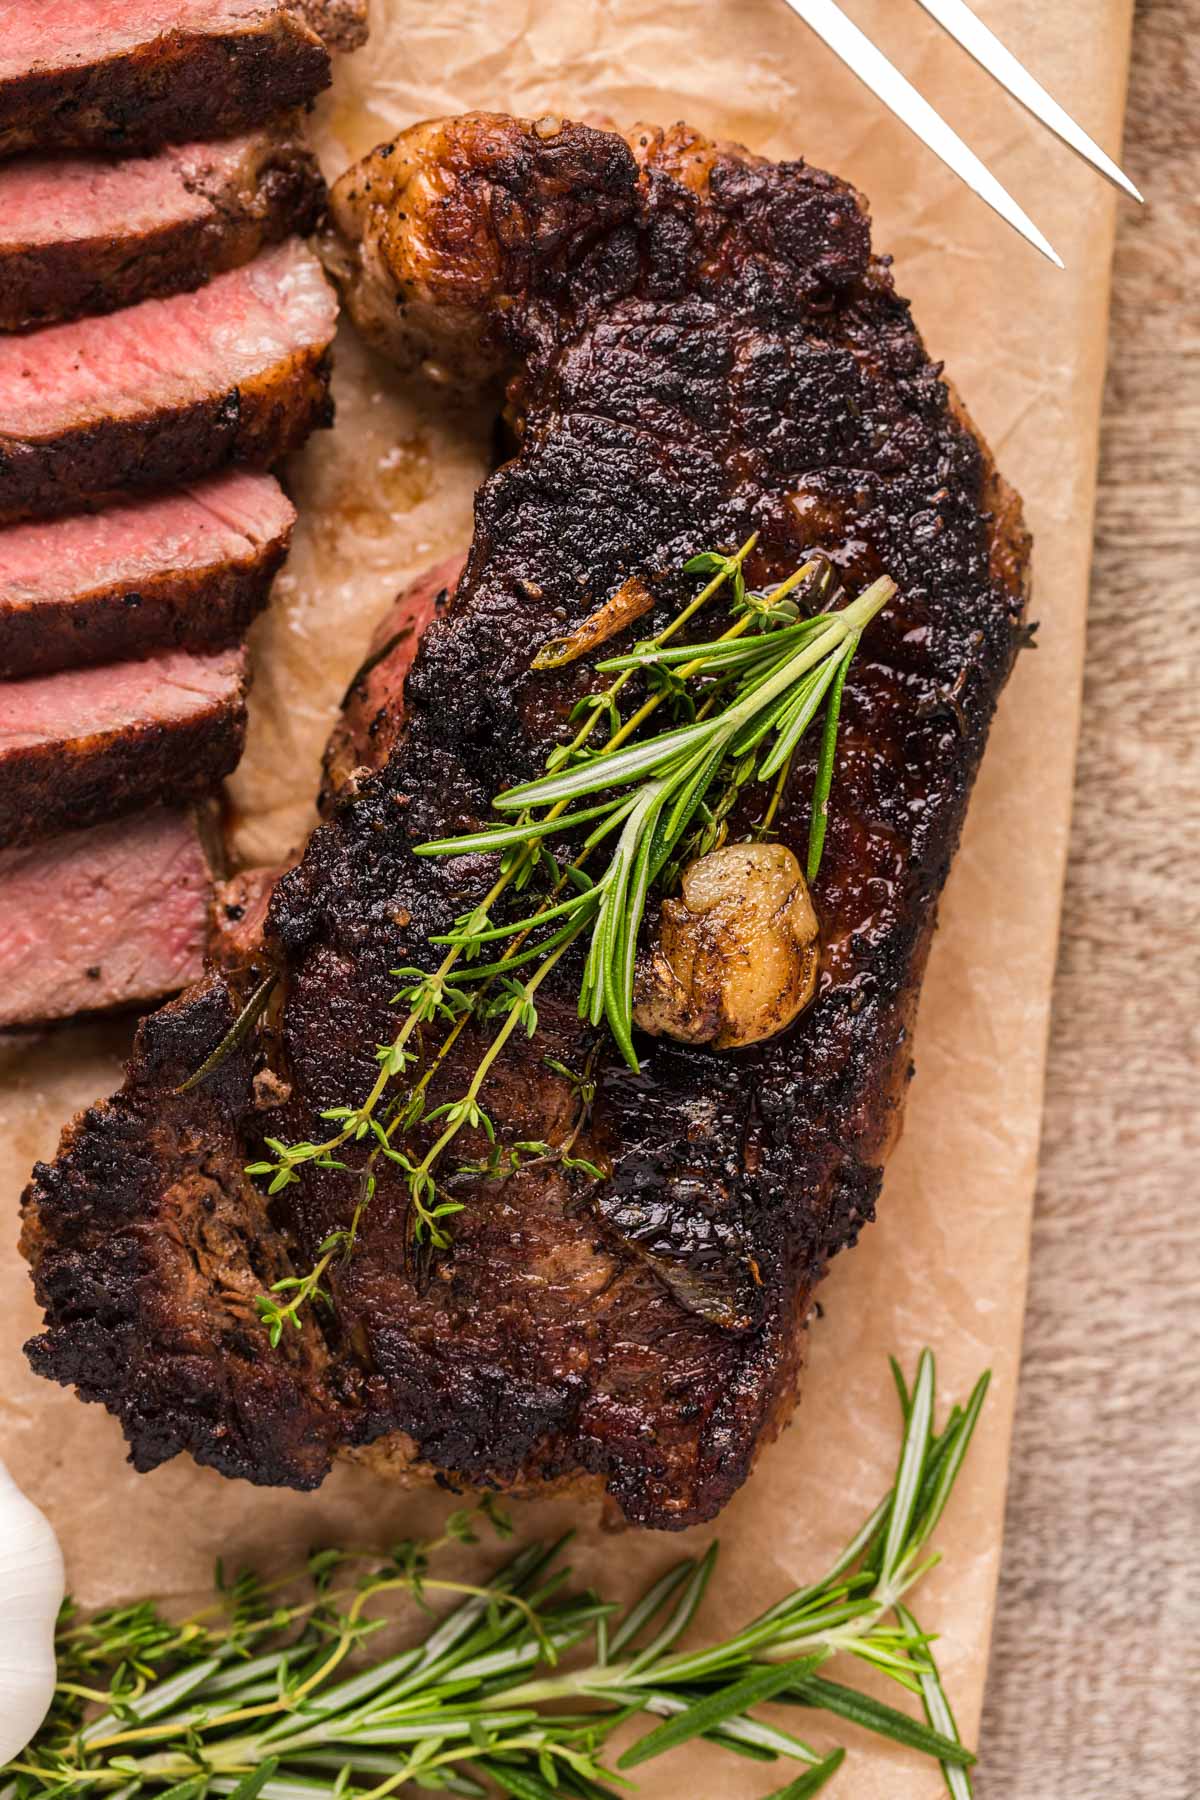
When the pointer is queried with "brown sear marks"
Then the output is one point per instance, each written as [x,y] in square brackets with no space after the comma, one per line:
[690,337]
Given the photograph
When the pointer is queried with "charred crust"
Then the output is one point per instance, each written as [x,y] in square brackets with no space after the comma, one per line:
[148,1246]
[700,346]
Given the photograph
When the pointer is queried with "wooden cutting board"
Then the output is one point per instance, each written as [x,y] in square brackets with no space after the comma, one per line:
[391,492]
[1104,1509]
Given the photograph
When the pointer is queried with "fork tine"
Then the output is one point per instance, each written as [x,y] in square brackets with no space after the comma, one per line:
[956,17]
[883,78]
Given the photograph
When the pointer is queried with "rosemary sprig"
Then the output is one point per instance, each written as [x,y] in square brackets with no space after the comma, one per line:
[648,791]
[747,698]
[517,1689]
[432,997]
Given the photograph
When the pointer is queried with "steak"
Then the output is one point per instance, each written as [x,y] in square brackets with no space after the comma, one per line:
[238,915]
[165,391]
[342,24]
[136,73]
[89,744]
[114,915]
[186,570]
[372,710]
[699,345]
[87,234]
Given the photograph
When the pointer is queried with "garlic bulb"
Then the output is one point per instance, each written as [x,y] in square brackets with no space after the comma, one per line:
[31,1591]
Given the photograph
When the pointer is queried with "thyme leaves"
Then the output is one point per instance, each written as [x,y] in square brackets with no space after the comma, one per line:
[632,805]
[521,1682]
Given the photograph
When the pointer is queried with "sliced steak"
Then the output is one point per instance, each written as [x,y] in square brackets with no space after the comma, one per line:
[89,744]
[87,234]
[699,345]
[133,73]
[110,916]
[164,392]
[342,24]
[373,707]
[185,570]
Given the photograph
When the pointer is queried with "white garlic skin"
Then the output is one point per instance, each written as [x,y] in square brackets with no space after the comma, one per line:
[31,1592]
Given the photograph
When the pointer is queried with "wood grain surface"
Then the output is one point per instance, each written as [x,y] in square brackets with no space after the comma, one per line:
[1095,1682]
[1095,1685]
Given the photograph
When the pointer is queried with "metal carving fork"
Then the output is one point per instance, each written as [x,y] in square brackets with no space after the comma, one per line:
[883,78]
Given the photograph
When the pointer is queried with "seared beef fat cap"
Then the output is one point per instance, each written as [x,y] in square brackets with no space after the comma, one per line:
[699,346]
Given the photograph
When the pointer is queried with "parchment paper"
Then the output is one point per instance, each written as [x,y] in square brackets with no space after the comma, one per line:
[390,491]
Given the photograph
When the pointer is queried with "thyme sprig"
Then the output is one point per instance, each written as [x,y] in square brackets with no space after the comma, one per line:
[517,1689]
[746,699]
[651,789]
[432,996]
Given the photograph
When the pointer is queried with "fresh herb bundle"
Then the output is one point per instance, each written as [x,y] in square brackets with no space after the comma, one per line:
[760,693]
[518,1689]
[739,705]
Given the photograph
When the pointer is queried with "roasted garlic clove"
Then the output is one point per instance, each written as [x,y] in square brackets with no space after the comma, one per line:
[734,959]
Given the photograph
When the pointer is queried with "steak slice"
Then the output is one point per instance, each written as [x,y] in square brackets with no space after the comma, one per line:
[342,24]
[87,234]
[114,915]
[135,73]
[89,744]
[699,345]
[186,570]
[163,392]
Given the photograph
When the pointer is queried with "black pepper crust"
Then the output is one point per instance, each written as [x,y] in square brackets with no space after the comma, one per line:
[703,347]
